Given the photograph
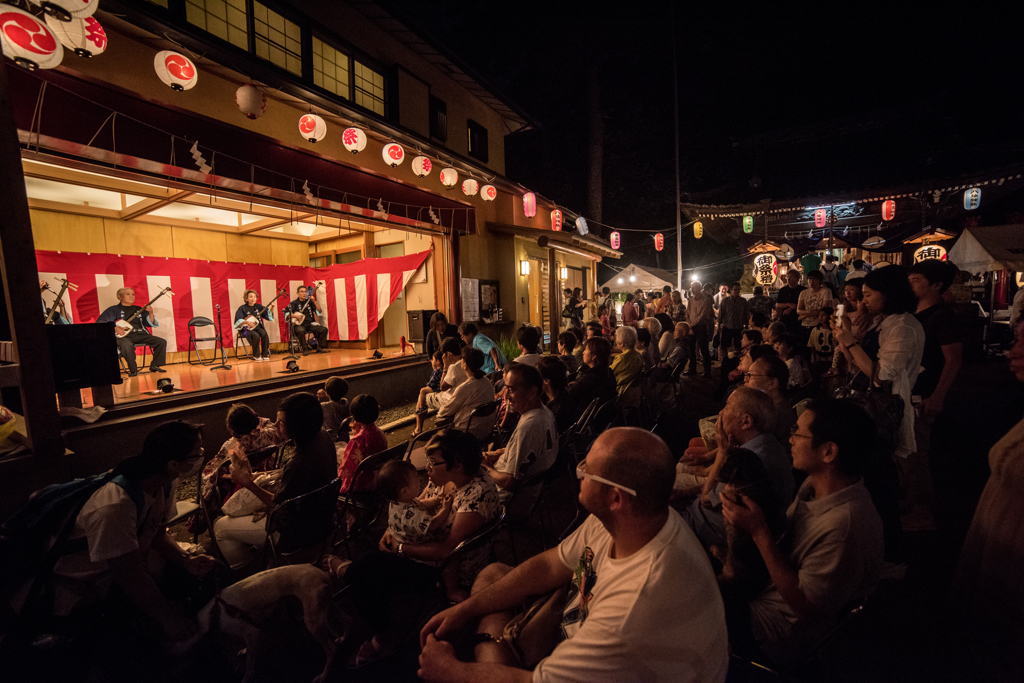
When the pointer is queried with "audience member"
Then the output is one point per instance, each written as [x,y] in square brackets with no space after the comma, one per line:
[528,340]
[789,349]
[653,327]
[858,270]
[596,379]
[628,364]
[440,329]
[630,314]
[787,301]
[644,348]
[770,374]
[468,396]
[249,433]
[606,326]
[821,343]
[678,313]
[556,392]
[774,331]
[494,360]
[335,408]
[567,343]
[809,303]
[759,303]
[732,318]
[367,440]
[700,316]
[454,375]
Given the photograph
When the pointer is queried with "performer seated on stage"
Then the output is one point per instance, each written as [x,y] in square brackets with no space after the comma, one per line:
[60,318]
[302,313]
[253,328]
[140,331]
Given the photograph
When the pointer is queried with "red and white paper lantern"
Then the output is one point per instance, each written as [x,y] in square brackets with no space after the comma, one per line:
[250,101]
[615,240]
[421,166]
[530,205]
[489,193]
[27,40]
[64,10]
[393,154]
[354,140]
[470,187]
[312,127]
[449,177]
[820,216]
[888,209]
[176,70]
[659,242]
[84,36]
[556,221]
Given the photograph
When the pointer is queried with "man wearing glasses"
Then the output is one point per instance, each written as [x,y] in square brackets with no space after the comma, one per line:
[642,602]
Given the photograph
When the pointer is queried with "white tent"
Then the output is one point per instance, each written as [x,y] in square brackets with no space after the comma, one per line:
[632,278]
[997,247]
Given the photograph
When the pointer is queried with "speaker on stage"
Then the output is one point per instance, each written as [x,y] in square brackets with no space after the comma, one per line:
[82,355]
[419,325]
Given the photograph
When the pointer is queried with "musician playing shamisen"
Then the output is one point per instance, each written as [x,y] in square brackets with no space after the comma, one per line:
[139,335]
[302,313]
[249,322]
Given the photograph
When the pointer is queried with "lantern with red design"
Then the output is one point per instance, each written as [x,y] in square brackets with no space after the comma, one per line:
[614,240]
[820,217]
[65,10]
[888,209]
[176,70]
[489,193]
[659,242]
[421,166]
[470,187]
[312,127]
[393,154]
[354,140]
[250,101]
[27,40]
[449,177]
[84,36]
[556,221]
[530,205]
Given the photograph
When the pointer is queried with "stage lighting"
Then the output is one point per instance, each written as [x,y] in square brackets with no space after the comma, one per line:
[165,385]
[292,366]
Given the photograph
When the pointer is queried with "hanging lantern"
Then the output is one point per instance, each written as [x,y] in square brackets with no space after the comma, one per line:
[972,198]
[659,242]
[748,224]
[393,154]
[449,177]
[873,242]
[615,240]
[766,269]
[250,101]
[698,230]
[556,221]
[66,10]
[354,140]
[888,209]
[489,193]
[27,40]
[785,252]
[530,204]
[312,127]
[421,166]
[175,70]
[84,36]
[820,218]
[930,251]
[469,187]
[581,225]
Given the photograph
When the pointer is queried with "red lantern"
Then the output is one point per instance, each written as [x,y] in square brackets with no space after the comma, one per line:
[888,209]
[530,205]
[659,241]
[556,221]
[820,216]
[615,240]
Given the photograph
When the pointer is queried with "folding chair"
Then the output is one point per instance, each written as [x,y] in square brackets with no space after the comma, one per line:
[193,340]
[303,526]
[186,509]
[483,538]
[533,481]
[424,438]
[124,363]
[242,340]
[480,412]
[364,507]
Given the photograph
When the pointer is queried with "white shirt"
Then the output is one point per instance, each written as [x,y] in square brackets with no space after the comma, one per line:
[901,346]
[655,616]
[465,399]
[530,359]
[814,302]
[531,449]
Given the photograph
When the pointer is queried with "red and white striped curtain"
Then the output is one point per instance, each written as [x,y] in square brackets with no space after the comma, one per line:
[353,298]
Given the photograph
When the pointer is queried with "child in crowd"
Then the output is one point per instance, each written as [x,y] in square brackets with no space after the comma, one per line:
[367,440]
[643,347]
[788,347]
[566,349]
[249,433]
[433,382]
[528,340]
[332,400]
[606,325]
[821,343]
[452,376]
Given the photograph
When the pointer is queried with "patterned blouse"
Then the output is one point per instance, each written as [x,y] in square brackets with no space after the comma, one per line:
[369,441]
[481,496]
[217,485]
[409,521]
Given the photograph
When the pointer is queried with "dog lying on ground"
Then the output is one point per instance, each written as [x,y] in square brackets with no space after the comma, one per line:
[241,608]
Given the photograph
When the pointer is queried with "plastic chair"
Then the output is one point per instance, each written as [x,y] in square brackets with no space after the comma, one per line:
[364,507]
[303,524]
[193,340]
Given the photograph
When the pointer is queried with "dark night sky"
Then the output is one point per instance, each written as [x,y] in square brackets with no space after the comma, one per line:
[931,92]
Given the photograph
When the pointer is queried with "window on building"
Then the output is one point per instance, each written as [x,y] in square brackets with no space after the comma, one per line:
[477,141]
[278,40]
[438,119]
[330,69]
[369,88]
[347,256]
[225,19]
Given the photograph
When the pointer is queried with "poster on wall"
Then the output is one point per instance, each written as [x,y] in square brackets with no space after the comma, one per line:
[470,299]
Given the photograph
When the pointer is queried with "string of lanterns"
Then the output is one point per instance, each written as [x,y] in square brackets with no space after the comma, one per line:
[39,44]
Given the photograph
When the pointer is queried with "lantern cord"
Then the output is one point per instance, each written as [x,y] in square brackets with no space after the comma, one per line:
[98,130]
[646,230]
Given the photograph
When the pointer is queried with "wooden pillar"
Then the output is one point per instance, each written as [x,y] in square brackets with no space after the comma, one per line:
[455,279]
[370,251]
[20,280]
[554,311]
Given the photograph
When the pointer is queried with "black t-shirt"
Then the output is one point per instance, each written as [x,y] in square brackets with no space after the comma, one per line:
[296,306]
[941,328]
[790,295]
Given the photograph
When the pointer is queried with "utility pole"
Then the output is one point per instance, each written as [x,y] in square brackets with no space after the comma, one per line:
[679,213]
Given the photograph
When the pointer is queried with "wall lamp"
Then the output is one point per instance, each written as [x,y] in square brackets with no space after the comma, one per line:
[524,267]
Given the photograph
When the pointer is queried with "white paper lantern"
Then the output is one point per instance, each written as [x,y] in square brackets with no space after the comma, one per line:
[354,140]
[581,225]
[312,127]
[27,40]
[766,270]
[470,187]
[393,154]
[250,101]
[449,177]
[63,10]
[85,36]
[421,166]
[489,193]
[176,70]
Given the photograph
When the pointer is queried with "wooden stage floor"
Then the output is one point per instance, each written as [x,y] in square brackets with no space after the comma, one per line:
[243,371]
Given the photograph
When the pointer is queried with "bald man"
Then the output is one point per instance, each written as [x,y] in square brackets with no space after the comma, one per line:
[650,607]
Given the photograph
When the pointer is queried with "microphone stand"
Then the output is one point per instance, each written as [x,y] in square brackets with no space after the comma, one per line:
[220,340]
[293,341]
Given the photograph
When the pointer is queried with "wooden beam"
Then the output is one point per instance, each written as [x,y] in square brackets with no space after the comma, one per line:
[141,208]
[33,169]
[268,223]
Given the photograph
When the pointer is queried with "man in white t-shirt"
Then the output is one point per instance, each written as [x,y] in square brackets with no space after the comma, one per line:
[474,392]
[642,605]
[812,300]
[454,375]
[532,447]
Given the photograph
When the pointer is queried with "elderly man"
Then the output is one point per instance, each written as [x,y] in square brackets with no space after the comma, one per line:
[771,375]
[746,422]
[628,363]
[642,603]
[832,551]
[700,314]
[139,335]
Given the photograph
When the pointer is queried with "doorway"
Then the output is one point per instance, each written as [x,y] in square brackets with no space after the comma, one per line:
[393,324]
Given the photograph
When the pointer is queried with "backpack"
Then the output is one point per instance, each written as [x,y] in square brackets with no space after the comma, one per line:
[831,275]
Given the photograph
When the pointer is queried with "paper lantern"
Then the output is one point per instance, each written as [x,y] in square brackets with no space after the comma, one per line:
[698,229]
[530,204]
[820,217]
[421,166]
[85,36]
[873,242]
[354,140]
[469,187]
[785,252]
[748,224]
[972,198]
[614,239]
[766,269]
[27,40]
[556,221]
[489,193]
[393,154]
[312,127]
[581,225]
[930,251]
[65,10]
[888,209]
[659,242]
[449,177]
[175,70]
[250,101]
